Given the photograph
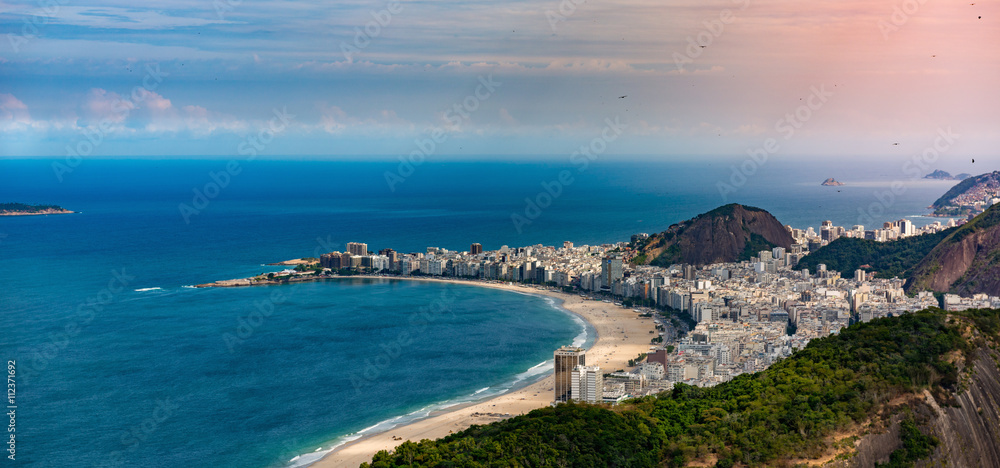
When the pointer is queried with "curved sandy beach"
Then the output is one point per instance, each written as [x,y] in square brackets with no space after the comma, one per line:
[621,335]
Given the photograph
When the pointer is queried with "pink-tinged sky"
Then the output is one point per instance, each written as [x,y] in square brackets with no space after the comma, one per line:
[883,72]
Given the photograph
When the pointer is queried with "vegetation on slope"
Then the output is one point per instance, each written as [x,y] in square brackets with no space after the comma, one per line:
[985,220]
[888,259]
[760,419]
[916,445]
[754,246]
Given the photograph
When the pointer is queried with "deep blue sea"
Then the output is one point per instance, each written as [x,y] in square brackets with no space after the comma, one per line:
[121,363]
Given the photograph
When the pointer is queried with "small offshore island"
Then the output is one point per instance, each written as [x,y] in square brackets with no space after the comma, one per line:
[831,182]
[21,209]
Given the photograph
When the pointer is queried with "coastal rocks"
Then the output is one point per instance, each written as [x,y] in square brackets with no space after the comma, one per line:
[226,283]
[296,262]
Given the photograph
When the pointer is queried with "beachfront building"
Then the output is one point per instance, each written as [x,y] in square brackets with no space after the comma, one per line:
[588,384]
[612,269]
[357,248]
[567,358]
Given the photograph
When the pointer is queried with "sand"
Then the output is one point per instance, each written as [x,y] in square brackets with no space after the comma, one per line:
[621,335]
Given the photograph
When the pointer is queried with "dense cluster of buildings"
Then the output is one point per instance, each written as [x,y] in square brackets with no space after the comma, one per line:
[954,302]
[891,230]
[746,315]
[978,197]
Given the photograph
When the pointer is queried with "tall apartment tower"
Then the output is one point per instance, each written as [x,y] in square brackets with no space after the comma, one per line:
[357,248]
[588,384]
[476,248]
[611,270]
[567,358]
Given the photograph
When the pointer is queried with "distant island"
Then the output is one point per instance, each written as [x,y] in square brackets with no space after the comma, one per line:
[21,209]
[943,175]
[832,182]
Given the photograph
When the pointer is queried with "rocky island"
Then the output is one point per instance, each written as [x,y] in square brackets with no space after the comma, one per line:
[832,182]
[944,175]
[21,209]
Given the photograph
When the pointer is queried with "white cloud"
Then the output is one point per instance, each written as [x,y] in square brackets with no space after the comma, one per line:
[335,120]
[14,116]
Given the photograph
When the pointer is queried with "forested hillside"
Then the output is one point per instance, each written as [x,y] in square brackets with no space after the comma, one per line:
[888,259]
[838,384]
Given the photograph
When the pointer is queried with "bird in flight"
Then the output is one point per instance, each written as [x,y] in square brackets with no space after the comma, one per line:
[623,97]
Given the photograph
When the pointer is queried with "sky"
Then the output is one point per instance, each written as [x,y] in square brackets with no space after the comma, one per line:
[476,79]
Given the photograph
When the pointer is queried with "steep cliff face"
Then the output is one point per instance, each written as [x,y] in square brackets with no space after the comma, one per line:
[969,433]
[726,234]
[965,423]
[966,262]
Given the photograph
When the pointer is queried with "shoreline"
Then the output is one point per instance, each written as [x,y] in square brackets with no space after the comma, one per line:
[620,335]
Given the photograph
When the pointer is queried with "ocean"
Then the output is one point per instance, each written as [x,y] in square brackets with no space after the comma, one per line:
[120,362]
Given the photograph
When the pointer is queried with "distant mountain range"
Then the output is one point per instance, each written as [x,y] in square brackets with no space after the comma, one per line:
[730,233]
[942,175]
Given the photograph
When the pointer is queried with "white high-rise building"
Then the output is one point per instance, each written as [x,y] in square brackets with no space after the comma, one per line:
[380,262]
[906,227]
[588,384]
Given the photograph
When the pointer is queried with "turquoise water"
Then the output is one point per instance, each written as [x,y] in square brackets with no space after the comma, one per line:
[121,363]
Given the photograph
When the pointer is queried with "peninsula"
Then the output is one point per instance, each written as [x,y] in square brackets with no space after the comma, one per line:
[969,197]
[21,209]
